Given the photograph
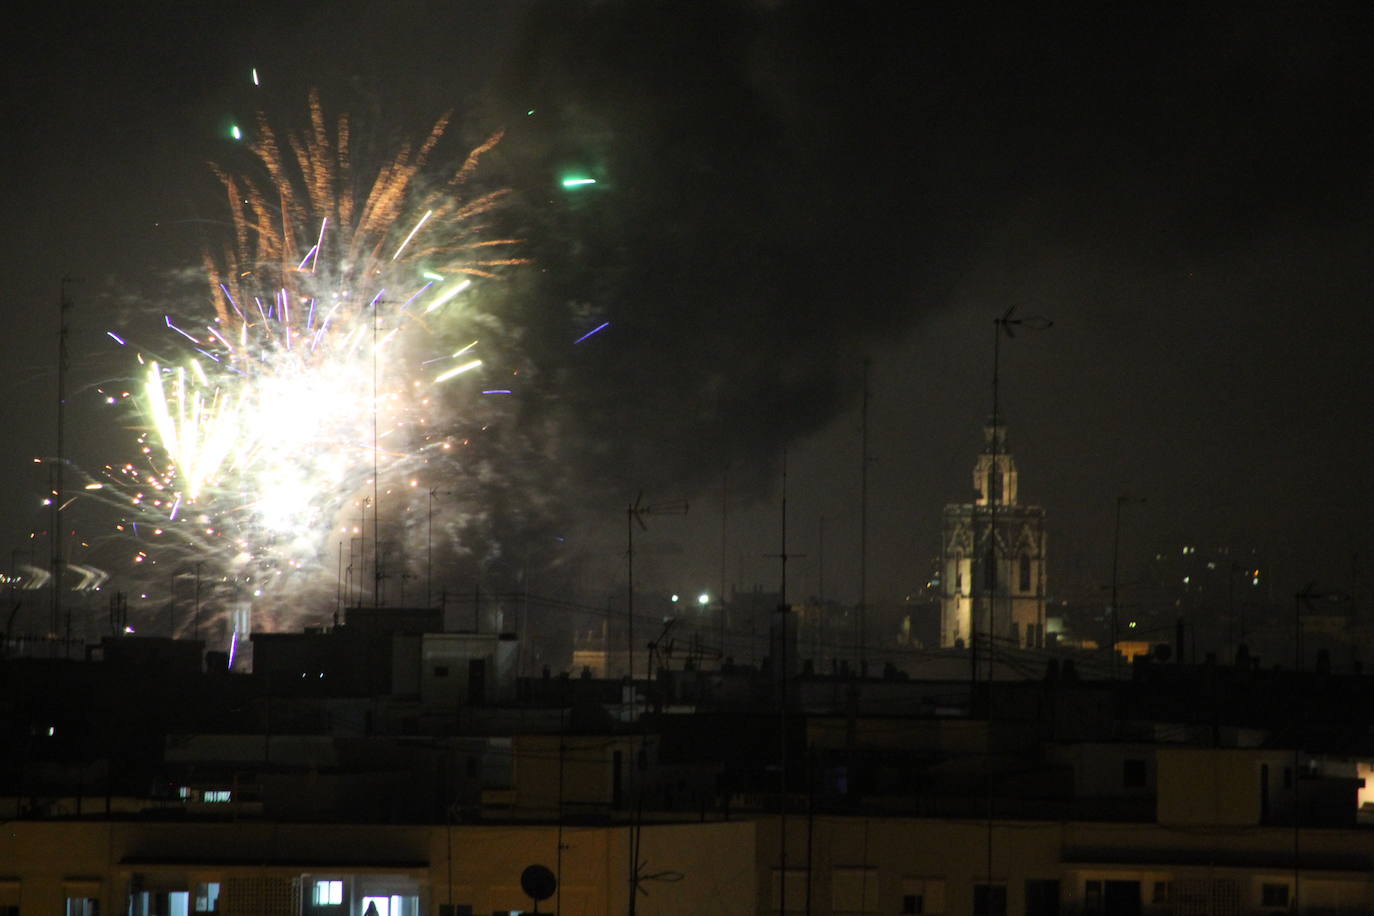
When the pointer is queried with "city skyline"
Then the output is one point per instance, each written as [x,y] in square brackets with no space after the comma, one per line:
[786,191]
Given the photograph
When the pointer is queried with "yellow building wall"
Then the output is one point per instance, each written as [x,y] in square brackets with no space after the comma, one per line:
[587,765]
[1207,786]
[687,868]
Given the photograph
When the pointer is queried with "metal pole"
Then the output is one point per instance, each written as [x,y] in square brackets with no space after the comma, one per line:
[376,505]
[429,549]
[630,596]
[1116,551]
[58,495]
[863,525]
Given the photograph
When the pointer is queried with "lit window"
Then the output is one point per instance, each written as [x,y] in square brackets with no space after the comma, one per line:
[207,897]
[328,893]
[81,906]
[217,795]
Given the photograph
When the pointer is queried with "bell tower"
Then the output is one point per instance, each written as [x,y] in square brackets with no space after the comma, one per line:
[998,485]
[992,563]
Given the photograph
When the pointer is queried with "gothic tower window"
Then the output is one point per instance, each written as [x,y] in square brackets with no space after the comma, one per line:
[1025,573]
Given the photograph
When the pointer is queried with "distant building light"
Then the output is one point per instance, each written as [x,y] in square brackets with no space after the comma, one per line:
[703,599]
[675,599]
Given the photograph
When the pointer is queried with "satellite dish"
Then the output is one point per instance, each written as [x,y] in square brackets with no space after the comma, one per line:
[538,882]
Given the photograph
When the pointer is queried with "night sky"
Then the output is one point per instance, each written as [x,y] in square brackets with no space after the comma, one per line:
[785,190]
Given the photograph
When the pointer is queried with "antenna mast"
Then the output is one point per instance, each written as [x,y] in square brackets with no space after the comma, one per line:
[55,468]
[863,522]
[376,507]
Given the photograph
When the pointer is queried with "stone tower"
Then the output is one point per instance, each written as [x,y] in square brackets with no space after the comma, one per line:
[992,557]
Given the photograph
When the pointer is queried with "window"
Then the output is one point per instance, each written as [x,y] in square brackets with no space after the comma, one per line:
[989,900]
[1274,895]
[80,906]
[1042,897]
[1133,774]
[1025,577]
[1092,898]
[441,670]
[395,905]
[328,893]
[923,895]
[1161,895]
[217,795]
[207,897]
[1104,898]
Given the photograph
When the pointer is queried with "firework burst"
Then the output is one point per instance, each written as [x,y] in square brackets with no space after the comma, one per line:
[309,389]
